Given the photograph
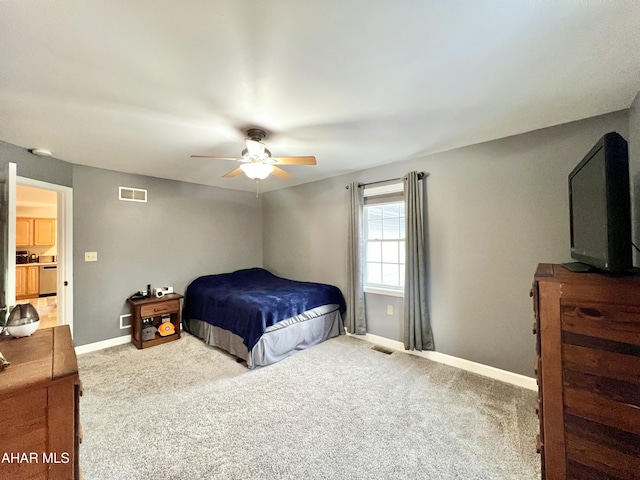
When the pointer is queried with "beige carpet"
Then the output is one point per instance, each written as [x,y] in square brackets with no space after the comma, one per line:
[339,410]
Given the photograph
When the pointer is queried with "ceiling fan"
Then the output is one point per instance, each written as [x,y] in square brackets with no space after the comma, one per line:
[257,162]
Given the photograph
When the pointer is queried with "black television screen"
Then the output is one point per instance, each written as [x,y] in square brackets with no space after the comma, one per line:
[599,207]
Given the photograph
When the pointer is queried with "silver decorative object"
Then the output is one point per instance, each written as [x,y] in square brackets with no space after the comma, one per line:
[23,320]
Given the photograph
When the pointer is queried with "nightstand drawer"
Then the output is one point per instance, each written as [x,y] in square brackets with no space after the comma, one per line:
[160,308]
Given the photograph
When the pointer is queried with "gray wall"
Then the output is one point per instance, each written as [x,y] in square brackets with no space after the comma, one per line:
[184,231]
[45,169]
[379,321]
[496,210]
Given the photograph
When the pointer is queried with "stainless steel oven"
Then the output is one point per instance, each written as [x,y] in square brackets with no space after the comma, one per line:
[48,279]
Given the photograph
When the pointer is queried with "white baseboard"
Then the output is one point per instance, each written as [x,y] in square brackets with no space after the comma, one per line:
[112,342]
[485,370]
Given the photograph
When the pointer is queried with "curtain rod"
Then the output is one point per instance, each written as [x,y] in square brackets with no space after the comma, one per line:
[421,175]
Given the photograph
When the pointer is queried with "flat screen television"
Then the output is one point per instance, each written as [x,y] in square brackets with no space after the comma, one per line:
[600,208]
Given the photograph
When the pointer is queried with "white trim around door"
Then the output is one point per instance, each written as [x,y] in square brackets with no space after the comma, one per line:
[65,246]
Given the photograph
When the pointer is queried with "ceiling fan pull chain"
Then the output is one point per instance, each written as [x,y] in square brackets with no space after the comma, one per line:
[257,188]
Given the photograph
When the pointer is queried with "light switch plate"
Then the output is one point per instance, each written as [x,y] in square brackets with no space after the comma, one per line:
[90,256]
[389,309]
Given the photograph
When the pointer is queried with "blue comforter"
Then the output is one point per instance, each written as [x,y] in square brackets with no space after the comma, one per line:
[247,302]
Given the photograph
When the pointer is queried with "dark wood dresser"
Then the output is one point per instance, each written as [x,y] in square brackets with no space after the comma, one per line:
[588,372]
[39,393]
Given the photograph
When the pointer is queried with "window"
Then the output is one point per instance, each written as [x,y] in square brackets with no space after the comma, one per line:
[384,245]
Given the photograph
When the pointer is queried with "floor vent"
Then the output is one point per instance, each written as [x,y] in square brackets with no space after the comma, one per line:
[382,350]
[129,194]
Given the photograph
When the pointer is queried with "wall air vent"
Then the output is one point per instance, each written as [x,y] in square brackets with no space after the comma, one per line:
[129,194]
[384,350]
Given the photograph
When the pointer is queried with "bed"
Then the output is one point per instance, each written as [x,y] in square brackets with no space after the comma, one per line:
[259,317]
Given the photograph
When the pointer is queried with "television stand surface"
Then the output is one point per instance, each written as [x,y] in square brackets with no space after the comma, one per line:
[578,267]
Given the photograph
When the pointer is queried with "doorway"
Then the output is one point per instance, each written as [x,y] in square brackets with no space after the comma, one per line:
[37,251]
[44,237]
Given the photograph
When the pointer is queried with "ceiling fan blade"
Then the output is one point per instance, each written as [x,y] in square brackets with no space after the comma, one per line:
[214,157]
[295,160]
[233,173]
[281,174]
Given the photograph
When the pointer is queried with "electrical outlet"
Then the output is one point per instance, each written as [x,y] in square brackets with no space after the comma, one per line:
[90,256]
[389,309]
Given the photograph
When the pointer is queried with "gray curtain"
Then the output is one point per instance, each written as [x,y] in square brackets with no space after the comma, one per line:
[355,315]
[417,326]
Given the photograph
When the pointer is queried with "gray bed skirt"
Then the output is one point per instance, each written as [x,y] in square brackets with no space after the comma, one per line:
[278,341]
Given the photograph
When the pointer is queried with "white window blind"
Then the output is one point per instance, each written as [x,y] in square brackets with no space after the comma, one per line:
[384,220]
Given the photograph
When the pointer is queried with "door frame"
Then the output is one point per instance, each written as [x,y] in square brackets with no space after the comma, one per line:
[64,244]
[10,274]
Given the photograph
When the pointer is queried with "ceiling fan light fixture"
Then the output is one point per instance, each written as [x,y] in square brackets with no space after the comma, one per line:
[257,171]
[256,161]
[264,156]
[255,148]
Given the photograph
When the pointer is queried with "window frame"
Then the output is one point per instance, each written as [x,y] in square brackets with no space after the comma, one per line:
[382,289]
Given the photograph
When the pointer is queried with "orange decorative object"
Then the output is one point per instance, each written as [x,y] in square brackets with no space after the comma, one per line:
[166,328]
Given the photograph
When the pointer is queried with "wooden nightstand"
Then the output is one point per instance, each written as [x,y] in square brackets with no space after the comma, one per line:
[150,312]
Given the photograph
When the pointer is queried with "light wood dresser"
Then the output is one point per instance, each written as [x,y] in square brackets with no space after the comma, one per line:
[39,399]
[588,372]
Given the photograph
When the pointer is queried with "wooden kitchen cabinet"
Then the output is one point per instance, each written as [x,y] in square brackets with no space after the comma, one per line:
[35,232]
[24,232]
[44,231]
[33,280]
[21,282]
[27,281]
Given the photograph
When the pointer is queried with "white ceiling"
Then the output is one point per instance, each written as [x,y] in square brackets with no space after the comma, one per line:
[137,86]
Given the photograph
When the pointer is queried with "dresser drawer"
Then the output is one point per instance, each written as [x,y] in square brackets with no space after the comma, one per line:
[171,306]
[24,427]
[605,321]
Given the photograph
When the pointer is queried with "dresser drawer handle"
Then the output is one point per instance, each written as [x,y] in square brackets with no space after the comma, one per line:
[589,312]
